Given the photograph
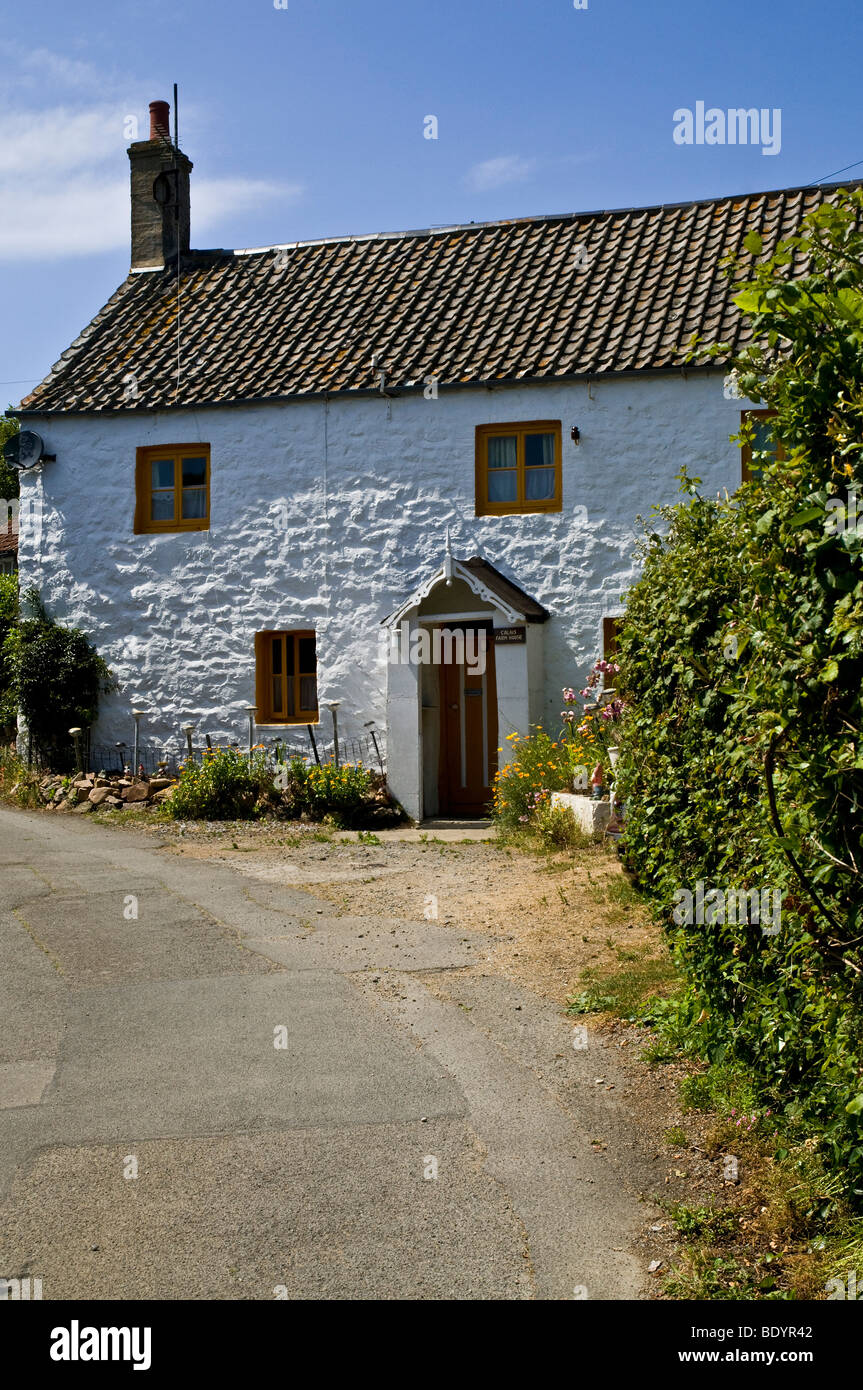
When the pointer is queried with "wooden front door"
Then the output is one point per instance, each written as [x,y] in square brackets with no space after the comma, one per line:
[468,736]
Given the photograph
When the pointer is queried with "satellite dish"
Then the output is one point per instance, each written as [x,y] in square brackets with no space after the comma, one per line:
[23,450]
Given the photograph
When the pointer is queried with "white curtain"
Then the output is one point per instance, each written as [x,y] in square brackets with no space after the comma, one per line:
[539,467]
[502,460]
[502,451]
[194,503]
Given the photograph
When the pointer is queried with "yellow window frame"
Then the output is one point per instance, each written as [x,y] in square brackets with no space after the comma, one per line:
[144,457]
[522,505]
[265,674]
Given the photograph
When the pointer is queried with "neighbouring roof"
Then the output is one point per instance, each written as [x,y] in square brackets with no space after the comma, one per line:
[9,538]
[526,299]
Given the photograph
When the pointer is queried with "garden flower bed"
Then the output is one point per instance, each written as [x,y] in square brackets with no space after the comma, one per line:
[546,782]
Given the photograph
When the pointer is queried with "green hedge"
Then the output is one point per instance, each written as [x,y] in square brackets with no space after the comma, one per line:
[742,655]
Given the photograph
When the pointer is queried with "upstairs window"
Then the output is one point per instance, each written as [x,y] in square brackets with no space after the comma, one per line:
[518,468]
[763,441]
[172,488]
[286,677]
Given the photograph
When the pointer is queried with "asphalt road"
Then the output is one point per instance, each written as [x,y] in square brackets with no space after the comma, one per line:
[211,1088]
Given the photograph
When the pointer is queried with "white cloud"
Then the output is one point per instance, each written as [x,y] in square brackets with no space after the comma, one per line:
[79,217]
[89,215]
[42,142]
[495,173]
[58,69]
[214,199]
[64,184]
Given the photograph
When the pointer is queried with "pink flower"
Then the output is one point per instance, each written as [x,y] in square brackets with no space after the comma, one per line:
[569,695]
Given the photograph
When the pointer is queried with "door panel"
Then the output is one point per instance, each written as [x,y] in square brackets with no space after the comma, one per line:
[468,743]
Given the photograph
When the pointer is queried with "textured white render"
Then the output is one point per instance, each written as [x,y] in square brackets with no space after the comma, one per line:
[329,516]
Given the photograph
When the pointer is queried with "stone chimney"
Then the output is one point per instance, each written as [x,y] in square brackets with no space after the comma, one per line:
[160,195]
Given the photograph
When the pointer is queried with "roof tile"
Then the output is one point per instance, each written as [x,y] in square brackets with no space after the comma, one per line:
[496,301]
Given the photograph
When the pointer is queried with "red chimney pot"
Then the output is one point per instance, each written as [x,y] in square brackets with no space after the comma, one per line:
[160,120]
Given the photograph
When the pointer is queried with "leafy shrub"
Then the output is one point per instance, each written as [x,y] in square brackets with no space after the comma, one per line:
[223,786]
[558,828]
[10,484]
[55,677]
[349,796]
[742,656]
[539,766]
[8,619]
[18,783]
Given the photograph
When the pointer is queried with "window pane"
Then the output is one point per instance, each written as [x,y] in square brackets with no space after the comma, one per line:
[194,472]
[762,437]
[502,487]
[762,442]
[308,693]
[277,694]
[307,657]
[292,651]
[194,503]
[290,685]
[539,484]
[277,656]
[502,451]
[162,473]
[162,506]
[539,451]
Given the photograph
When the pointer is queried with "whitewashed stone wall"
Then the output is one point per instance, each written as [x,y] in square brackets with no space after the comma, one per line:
[366,489]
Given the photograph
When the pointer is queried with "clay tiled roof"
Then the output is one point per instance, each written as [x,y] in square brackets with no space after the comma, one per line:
[8,538]
[527,299]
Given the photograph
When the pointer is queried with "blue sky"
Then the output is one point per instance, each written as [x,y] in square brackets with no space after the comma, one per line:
[309,122]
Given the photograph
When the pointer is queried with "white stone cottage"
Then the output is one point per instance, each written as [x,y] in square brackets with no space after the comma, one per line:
[258,456]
